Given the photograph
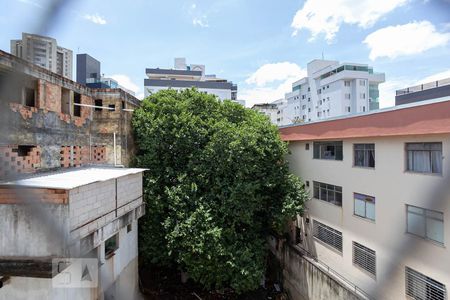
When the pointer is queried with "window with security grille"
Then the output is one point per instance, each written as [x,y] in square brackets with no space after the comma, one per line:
[365,258]
[364,155]
[328,235]
[424,157]
[328,150]
[328,192]
[421,287]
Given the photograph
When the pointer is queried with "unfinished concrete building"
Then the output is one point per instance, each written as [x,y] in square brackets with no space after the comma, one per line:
[49,121]
[65,193]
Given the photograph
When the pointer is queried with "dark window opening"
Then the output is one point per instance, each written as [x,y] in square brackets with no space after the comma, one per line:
[30,97]
[129,227]
[23,150]
[98,102]
[123,105]
[76,108]
[112,107]
[111,245]
[307,146]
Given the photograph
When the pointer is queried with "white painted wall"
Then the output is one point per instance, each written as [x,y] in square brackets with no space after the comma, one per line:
[393,188]
[223,94]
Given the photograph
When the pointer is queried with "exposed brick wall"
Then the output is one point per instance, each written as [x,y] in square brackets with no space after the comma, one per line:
[12,196]
[81,155]
[52,97]
[11,163]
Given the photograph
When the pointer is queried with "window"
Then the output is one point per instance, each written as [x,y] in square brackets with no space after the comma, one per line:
[111,245]
[424,157]
[328,192]
[362,83]
[364,206]
[129,228]
[76,108]
[364,155]
[328,150]
[307,146]
[420,286]
[425,223]
[328,235]
[363,108]
[348,108]
[347,96]
[346,83]
[112,107]
[30,97]
[365,258]
[362,95]
[98,102]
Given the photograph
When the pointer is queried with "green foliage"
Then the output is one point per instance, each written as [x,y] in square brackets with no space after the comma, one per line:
[218,184]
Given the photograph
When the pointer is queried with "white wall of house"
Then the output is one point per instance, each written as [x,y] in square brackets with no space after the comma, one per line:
[393,188]
[222,94]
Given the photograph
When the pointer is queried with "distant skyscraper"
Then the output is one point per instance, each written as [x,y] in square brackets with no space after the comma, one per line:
[88,69]
[44,52]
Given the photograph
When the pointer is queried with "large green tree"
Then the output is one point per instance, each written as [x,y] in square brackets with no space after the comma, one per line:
[217,184]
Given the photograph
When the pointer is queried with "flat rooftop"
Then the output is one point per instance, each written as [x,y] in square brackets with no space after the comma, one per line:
[72,178]
[425,117]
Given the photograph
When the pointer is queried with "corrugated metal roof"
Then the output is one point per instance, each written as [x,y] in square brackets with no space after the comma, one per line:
[72,179]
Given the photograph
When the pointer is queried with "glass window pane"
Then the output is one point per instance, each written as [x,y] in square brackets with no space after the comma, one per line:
[422,161]
[435,230]
[370,210]
[416,224]
[360,208]
[436,161]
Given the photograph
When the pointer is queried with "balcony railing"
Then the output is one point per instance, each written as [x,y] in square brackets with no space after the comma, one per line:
[423,87]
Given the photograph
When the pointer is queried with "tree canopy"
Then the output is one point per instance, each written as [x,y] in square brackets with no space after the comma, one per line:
[217,184]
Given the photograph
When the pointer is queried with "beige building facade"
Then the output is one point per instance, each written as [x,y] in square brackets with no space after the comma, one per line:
[379,208]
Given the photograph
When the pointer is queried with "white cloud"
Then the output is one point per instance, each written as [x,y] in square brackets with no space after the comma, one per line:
[325,16]
[202,22]
[435,77]
[401,40]
[31,3]
[270,82]
[95,18]
[275,72]
[127,83]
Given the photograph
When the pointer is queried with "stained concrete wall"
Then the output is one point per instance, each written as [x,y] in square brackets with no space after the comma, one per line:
[51,123]
[33,231]
[303,280]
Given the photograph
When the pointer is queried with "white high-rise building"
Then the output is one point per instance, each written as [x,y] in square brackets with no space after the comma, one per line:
[44,52]
[183,76]
[331,89]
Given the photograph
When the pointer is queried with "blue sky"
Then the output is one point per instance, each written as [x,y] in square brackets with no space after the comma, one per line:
[263,46]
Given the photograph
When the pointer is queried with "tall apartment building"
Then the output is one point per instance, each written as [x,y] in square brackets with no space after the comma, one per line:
[184,76]
[331,89]
[427,91]
[44,52]
[378,215]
